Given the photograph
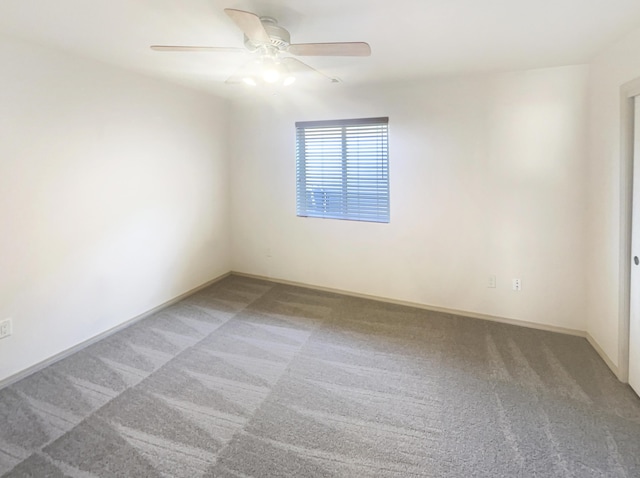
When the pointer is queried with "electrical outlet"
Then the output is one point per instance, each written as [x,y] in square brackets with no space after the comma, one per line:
[5,328]
[491,283]
[517,284]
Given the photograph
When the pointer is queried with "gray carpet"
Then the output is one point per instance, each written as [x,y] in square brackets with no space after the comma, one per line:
[253,379]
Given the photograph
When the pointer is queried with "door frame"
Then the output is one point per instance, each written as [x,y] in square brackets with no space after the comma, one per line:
[628,91]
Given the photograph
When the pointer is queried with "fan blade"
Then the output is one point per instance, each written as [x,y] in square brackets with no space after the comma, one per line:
[294,65]
[250,24]
[330,49]
[197,48]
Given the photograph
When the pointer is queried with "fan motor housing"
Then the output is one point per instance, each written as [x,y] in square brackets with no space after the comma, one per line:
[280,37]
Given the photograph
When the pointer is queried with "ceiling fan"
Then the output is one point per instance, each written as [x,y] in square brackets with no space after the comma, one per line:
[274,61]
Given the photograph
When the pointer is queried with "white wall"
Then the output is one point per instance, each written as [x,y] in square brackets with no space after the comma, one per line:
[609,71]
[113,198]
[487,177]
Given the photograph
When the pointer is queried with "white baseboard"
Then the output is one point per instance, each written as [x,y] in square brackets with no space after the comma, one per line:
[76,348]
[614,368]
[475,315]
[463,313]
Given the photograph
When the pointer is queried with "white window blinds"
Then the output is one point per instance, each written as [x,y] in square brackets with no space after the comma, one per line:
[342,169]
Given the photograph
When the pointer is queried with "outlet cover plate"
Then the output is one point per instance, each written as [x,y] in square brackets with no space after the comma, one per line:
[6,328]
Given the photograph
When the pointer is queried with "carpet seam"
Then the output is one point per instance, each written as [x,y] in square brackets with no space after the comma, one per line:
[241,430]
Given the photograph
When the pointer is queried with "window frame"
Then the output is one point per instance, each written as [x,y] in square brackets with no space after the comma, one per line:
[347,168]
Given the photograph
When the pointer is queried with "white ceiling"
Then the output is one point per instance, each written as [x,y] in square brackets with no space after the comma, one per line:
[409,38]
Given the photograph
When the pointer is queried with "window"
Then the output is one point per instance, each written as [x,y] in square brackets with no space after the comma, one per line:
[342,169]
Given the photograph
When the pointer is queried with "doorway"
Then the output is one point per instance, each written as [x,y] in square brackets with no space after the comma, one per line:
[634,281]
[629,311]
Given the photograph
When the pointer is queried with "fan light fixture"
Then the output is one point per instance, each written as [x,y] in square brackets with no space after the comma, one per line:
[270,72]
